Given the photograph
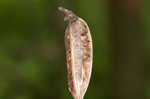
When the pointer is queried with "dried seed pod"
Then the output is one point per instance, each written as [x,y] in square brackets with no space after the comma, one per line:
[79,53]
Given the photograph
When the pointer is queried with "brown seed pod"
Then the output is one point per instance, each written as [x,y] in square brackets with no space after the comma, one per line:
[79,53]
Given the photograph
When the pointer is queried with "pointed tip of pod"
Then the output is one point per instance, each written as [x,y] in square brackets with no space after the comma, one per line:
[62,9]
[59,8]
[69,15]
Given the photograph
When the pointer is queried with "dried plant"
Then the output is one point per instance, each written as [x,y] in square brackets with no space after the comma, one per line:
[79,53]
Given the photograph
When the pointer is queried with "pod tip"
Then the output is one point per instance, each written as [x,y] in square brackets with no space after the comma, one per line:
[69,15]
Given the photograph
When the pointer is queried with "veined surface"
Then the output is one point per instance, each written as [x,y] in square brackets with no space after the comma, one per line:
[79,53]
[79,57]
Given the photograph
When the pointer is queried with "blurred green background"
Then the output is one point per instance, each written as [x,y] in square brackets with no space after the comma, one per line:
[32,51]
